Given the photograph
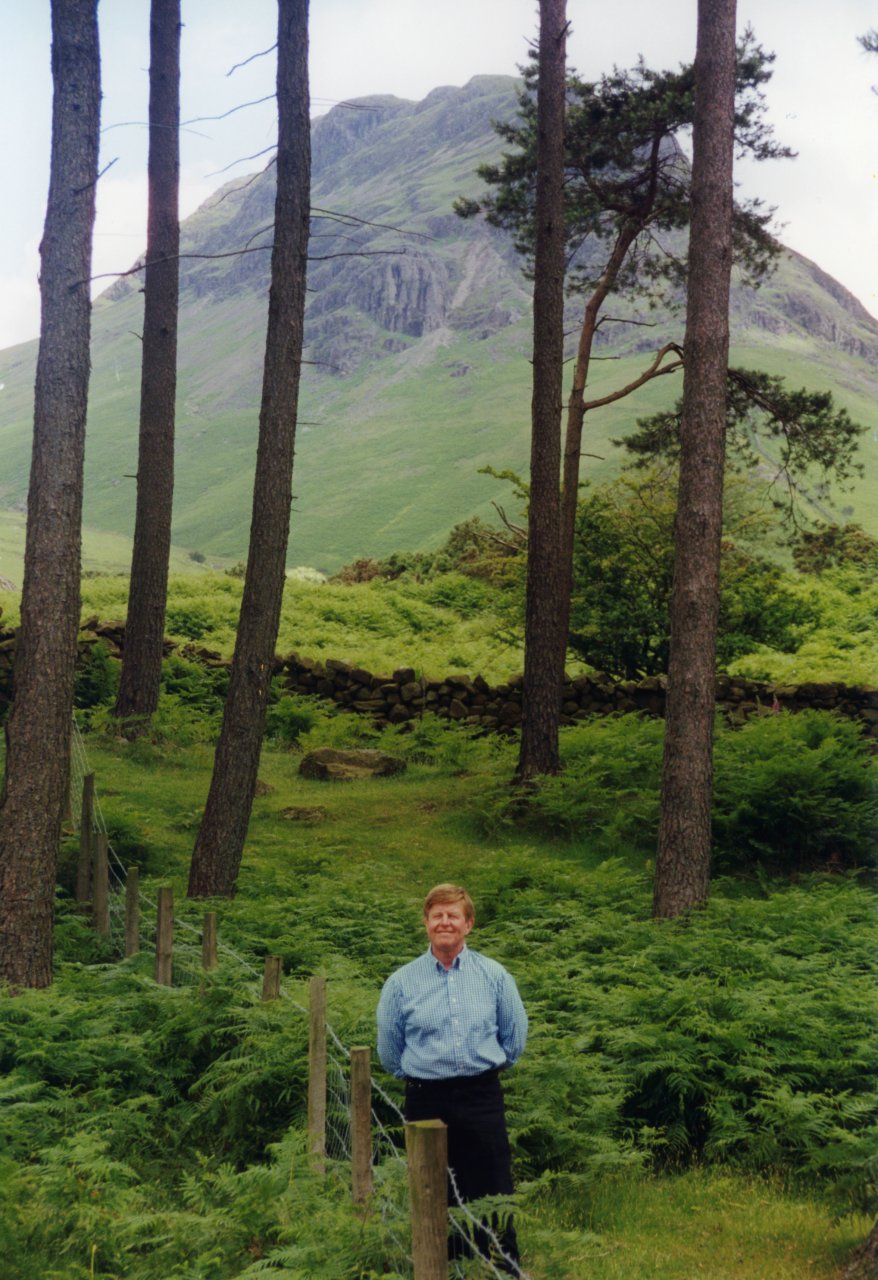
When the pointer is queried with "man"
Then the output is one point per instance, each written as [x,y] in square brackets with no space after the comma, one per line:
[448,1024]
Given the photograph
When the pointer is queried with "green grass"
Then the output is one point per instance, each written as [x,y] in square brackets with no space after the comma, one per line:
[102,551]
[381,625]
[700,1223]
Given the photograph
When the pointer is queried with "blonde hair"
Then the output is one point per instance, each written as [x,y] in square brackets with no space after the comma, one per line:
[448,893]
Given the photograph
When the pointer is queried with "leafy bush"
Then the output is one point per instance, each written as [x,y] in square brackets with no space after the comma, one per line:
[188,621]
[196,685]
[842,645]
[97,678]
[608,793]
[289,717]
[795,791]
[834,546]
[465,595]
[792,792]
[623,573]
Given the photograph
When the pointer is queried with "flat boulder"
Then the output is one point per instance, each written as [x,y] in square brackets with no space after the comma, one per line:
[331,764]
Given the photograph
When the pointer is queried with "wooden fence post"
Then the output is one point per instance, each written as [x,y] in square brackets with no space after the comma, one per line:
[164,938]
[100,906]
[271,977]
[132,911]
[317,1075]
[86,823]
[426,1143]
[361,1123]
[208,941]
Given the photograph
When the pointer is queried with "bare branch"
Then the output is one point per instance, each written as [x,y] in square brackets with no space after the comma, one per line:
[654,371]
[261,232]
[645,324]
[141,266]
[519,532]
[247,182]
[144,124]
[256,102]
[109,165]
[252,58]
[348,106]
[235,253]
[240,160]
[364,222]
[366,253]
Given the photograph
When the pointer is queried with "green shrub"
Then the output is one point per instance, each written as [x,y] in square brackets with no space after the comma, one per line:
[188,620]
[195,684]
[289,717]
[741,1034]
[608,794]
[795,791]
[97,678]
[791,792]
[465,595]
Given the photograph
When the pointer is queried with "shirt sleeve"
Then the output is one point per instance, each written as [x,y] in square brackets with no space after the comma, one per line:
[511,1020]
[391,1034]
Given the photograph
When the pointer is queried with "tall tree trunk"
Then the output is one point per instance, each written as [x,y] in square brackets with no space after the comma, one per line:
[865,1263]
[682,875]
[147,596]
[38,729]
[220,844]
[543,665]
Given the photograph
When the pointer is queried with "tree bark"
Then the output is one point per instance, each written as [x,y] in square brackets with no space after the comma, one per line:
[147,596]
[220,844]
[865,1264]
[682,876]
[38,729]
[543,661]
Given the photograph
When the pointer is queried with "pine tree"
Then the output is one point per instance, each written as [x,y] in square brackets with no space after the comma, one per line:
[220,843]
[147,597]
[38,729]
[626,183]
[543,660]
[682,874]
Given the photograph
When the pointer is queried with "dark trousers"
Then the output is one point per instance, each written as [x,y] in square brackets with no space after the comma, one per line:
[478,1147]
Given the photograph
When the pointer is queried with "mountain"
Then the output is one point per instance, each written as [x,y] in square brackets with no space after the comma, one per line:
[418,342]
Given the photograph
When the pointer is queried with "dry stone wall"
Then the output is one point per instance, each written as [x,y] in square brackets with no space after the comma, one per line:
[402,695]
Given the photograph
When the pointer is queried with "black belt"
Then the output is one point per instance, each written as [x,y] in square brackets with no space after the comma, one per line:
[449,1081]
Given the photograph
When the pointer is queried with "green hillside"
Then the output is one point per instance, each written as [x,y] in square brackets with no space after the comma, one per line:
[420,347]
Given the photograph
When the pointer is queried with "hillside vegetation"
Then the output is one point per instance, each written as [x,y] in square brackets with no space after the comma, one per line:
[697,1097]
[421,348]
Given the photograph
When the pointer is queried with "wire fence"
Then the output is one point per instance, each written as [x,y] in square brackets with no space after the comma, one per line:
[464,1226]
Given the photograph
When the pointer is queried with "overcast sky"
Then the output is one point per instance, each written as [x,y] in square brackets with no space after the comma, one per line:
[820,102]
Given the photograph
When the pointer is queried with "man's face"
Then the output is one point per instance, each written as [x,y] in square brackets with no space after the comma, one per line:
[447,926]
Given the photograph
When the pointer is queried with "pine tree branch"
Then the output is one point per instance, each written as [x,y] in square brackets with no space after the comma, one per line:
[654,371]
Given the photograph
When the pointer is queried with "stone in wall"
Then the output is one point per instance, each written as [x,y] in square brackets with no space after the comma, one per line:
[402,696]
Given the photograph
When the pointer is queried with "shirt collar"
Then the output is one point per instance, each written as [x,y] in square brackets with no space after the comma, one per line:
[455,964]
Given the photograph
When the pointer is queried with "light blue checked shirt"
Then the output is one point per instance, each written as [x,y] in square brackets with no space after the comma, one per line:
[435,1022]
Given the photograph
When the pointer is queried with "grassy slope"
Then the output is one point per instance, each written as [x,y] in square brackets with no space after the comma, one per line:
[388,458]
